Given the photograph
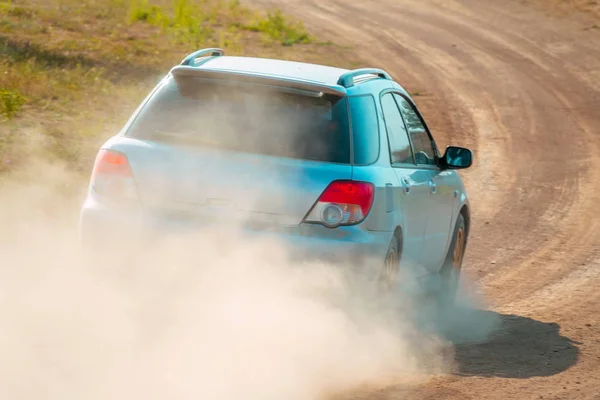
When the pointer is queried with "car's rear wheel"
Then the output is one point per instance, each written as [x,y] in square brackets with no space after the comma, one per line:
[391,266]
[451,270]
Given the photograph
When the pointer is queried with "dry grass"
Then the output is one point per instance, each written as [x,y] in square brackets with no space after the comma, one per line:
[72,71]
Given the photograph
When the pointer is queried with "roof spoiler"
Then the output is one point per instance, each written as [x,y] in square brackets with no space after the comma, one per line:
[283,82]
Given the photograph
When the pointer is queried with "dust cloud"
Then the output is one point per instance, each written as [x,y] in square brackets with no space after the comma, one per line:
[204,316]
[211,315]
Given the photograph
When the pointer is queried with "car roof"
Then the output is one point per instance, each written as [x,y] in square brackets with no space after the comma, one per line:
[296,70]
[286,69]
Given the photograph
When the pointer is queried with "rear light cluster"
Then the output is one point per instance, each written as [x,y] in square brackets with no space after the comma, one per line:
[342,203]
[112,176]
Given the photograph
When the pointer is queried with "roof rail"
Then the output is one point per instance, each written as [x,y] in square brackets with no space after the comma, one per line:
[347,79]
[191,58]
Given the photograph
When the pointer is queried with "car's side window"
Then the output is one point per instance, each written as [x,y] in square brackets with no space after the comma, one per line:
[400,150]
[422,145]
[365,123]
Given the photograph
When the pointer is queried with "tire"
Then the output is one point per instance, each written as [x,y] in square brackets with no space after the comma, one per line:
[452,267]
[391,265]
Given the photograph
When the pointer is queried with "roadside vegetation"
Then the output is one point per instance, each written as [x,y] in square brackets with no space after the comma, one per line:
[72,71]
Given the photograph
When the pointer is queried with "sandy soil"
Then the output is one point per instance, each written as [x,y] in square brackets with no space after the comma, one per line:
[522,88]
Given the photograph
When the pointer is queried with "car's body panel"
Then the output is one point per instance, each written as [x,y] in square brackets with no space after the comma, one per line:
[350,246]
[276,189]
[183,187]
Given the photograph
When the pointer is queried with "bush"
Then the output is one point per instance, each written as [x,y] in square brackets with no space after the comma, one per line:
[10,103]
[278,28]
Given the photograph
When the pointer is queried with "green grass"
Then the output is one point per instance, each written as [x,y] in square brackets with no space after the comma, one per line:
[278,28]
[195,23]
[11,102]
[72,71]
[185,22]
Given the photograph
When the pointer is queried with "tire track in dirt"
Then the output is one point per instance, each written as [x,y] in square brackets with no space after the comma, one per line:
[522,89]
[553,195]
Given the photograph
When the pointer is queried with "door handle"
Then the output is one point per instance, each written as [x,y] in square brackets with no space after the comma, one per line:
[432,187]
[405,186]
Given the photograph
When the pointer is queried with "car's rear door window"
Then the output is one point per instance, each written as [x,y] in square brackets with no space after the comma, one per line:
[252,119]
[400,149]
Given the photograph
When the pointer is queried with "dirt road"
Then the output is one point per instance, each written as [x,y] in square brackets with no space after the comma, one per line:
[522,88]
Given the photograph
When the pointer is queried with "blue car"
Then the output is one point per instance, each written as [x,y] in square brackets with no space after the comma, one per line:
[338,163]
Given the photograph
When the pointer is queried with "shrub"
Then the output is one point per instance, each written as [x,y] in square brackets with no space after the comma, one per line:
[11,102]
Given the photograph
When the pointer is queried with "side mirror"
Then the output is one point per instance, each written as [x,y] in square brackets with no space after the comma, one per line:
[457,157]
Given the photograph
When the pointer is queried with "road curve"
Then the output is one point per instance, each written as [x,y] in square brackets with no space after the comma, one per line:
[523,90]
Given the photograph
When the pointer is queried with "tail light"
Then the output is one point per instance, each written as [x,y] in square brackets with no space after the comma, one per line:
[342,203]
[112,176]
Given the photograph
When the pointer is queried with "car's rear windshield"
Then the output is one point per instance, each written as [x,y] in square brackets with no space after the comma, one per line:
[243,118]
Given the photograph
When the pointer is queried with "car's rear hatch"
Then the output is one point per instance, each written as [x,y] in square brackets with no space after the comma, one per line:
[210,151]
[180,182]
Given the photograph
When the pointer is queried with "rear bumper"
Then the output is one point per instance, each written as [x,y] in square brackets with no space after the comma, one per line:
[349,246]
